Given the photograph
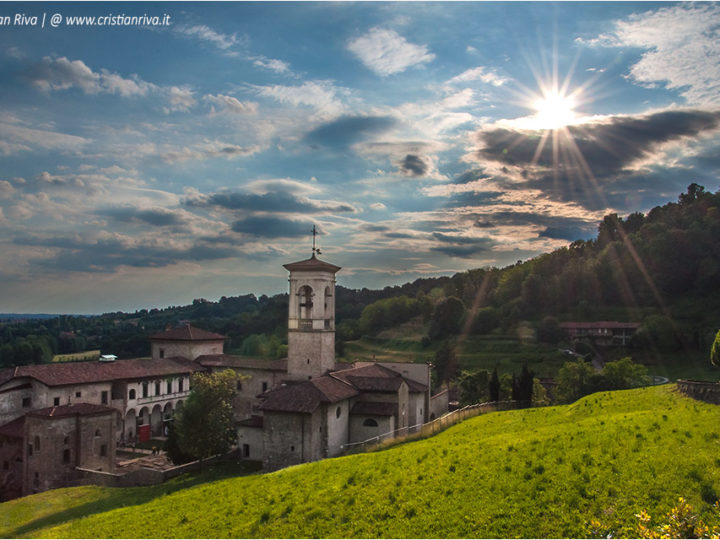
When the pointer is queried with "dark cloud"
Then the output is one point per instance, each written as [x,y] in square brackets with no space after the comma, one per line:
[399,235]
[273,227]
[606,147]
[370,227]
[267,202]
[484,224]
[348,130]
[462,246]
[159,217]
[107,255]
[470,176]
[413,165]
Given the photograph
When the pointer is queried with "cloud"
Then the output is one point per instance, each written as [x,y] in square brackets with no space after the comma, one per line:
[348,130]
[285,185]
[267,202]
[680,44]
[378,206]
[323,96]
[413,165]
[207,150]
[6,189]
[479,73]
[386,52]
[205,33]
[463,247]
[229,104]
[16,138]
[62,74]
[158,217]
[178,99]
[272,64]
[603,147]
[273,227]
[109,252]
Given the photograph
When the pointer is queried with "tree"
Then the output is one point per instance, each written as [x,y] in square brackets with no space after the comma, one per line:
[573,379]
[204,426]
[715,350]
[474,386]
[445,362]
[494,386]
[549,330]
[446,318]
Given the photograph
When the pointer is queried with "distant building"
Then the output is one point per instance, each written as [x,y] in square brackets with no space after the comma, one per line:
[604,333]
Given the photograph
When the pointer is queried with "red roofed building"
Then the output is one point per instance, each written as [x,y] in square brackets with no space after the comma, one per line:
[605,333]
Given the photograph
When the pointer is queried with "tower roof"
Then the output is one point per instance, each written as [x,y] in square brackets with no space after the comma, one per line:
[311,264]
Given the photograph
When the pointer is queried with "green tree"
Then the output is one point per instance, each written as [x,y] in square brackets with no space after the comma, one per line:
[494,386]
[474,386]
[445,362]
[573,379]
[205,424]
[446,318]
[715,350]
[623,374]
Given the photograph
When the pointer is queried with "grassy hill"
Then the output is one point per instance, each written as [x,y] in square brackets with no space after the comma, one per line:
[530,473]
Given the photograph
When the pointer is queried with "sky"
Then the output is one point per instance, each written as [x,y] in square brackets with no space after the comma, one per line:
[188,152]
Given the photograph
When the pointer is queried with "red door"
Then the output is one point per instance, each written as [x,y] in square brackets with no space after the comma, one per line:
[144,433]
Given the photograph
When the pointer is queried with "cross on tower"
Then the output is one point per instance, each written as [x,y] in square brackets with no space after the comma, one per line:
[314,249]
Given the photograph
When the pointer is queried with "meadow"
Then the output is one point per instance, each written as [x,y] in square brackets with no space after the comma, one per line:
[545,472]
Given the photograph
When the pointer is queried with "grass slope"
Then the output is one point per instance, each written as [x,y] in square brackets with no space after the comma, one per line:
[531,473]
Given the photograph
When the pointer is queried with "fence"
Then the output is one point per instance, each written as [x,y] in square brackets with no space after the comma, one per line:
[420,431]
[708,392]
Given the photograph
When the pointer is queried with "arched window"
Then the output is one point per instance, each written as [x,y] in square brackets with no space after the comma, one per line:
[338,412]
[370,422]
[305,302]
[131,394]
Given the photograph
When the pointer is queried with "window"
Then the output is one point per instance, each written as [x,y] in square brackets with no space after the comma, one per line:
[338,412]
[103,450]
[264,386]
[370,422]
[30,449]
[26,402]
[78,394]
[97,432]
[56,402]
[181,384]
[66,440]
[66,455]
[239,386]
[37,443]
[246,450]
[104,397]
[131,394]
[292,448]
[169,387]
[157,388]
[162,353]
[145,389]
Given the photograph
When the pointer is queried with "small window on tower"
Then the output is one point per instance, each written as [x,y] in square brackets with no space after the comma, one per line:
[78,394]
[162,353]
[56,402]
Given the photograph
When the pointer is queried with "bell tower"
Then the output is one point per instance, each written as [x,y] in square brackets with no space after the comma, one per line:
[311,317]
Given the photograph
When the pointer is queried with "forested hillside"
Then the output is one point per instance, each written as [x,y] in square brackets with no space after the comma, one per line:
[661,269]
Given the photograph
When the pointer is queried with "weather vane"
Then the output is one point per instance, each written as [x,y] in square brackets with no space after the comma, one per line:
[315,249]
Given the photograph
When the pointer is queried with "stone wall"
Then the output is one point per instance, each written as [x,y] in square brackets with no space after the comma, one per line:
[11,467]
[54,447]
[700,390]
[291,438]
[439,405]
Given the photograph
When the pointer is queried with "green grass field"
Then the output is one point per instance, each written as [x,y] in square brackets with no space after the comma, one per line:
[531,473]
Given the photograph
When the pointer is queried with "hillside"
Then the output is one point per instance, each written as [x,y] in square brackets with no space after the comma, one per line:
[529,473]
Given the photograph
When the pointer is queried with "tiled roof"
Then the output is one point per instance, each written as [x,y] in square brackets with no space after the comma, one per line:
[374,408]
[14,429]
[306,396]
[227,360]
[312,264]
[72,409]
[90,372]
[375,377]
[187,333]
[375,384]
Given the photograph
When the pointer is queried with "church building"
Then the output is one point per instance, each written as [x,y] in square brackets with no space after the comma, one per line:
[56,418]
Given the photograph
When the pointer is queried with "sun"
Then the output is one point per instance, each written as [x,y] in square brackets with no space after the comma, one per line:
[554,110]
